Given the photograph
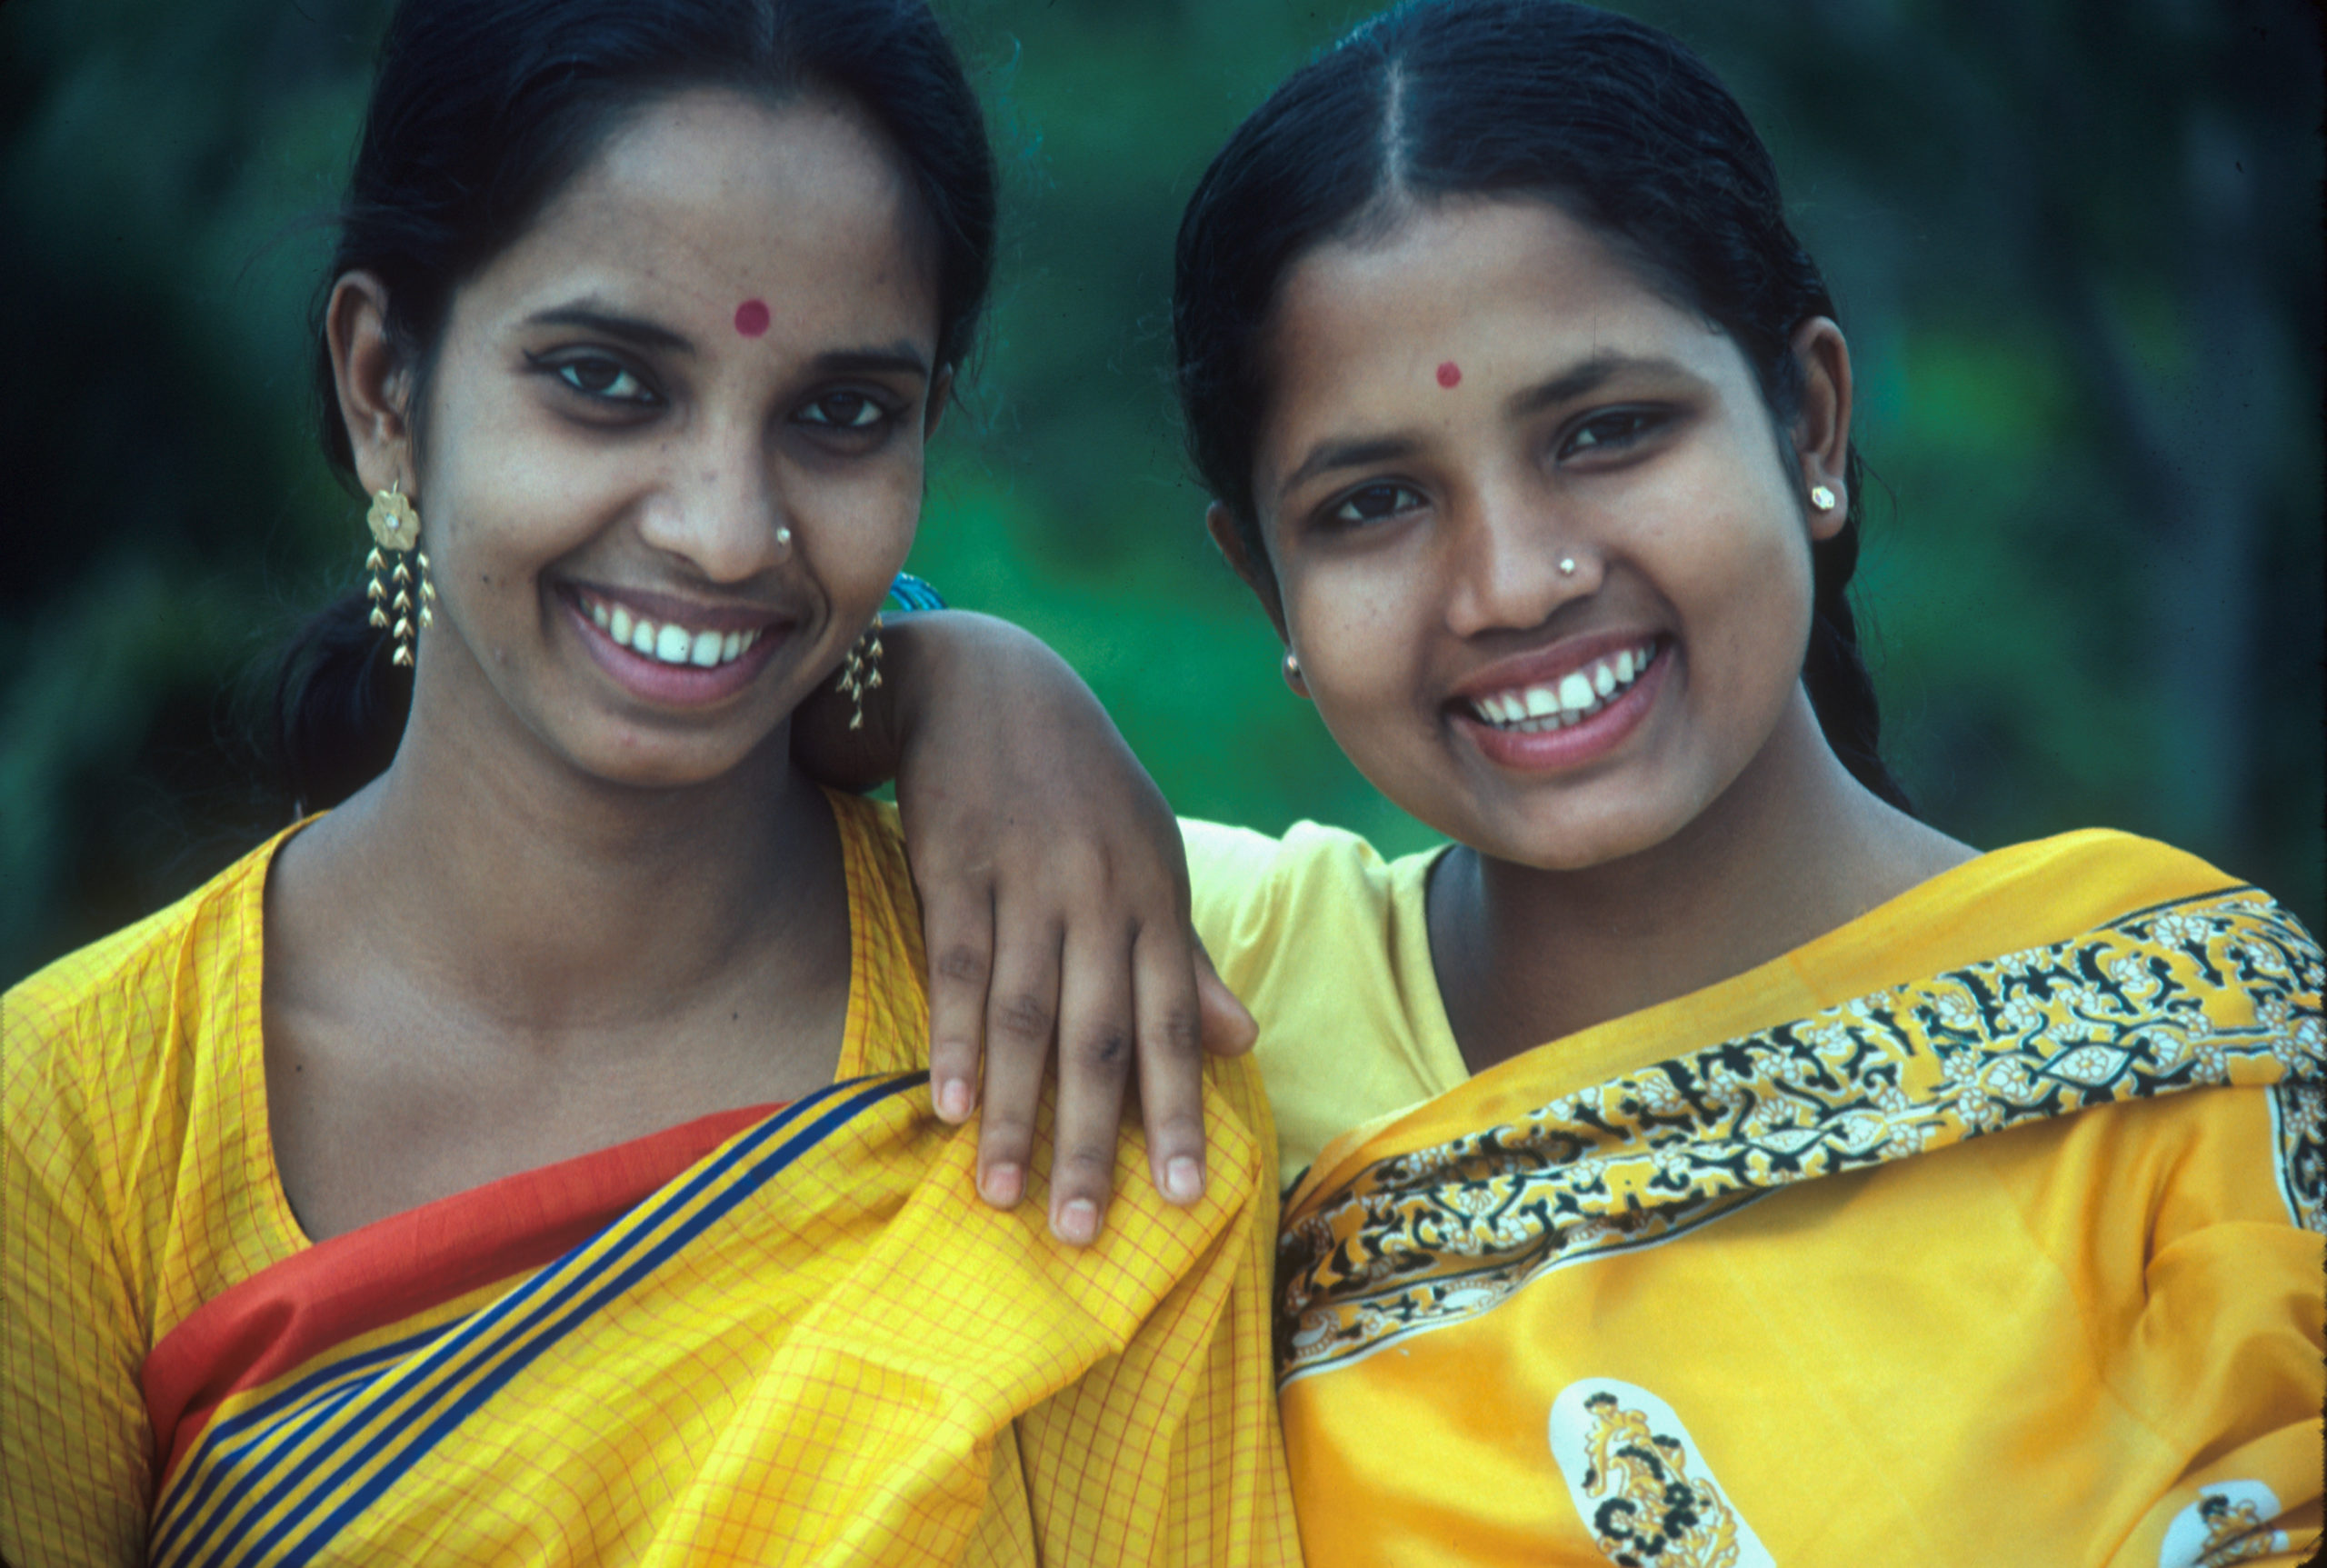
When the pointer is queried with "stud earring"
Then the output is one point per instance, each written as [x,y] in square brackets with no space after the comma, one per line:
[1567,566]
[1822,498]
[395,526]
[860,672]
[1291,671]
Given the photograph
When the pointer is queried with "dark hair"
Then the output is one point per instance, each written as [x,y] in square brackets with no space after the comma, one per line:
[1616,124]
[482,111]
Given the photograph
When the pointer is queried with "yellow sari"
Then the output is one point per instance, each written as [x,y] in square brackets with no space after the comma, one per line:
[1984,1229]
[776,1335]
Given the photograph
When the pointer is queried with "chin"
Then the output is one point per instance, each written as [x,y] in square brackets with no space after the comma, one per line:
[652,761]
[1570,839]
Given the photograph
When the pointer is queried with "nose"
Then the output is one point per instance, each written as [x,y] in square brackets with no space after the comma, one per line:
[720,510]
[1511,560]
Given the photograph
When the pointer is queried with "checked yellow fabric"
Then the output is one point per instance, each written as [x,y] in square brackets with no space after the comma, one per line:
[1985,1229]
[797,1338]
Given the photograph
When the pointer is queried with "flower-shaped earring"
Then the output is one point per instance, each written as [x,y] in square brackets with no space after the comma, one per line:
[395,526]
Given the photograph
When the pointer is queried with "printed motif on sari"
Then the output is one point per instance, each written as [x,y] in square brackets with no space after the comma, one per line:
[1639,1482]
[2218,989]
[2230,1523]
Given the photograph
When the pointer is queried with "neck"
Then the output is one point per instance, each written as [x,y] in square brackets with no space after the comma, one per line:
[552,904]
[1794,848]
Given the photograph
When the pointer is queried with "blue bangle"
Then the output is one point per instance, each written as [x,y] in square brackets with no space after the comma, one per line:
[910,593]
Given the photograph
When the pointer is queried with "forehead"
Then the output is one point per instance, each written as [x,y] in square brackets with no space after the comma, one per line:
[1501,288]
[715,198]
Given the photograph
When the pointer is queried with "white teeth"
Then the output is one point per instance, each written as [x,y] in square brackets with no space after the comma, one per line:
[1577,696]
[669,645]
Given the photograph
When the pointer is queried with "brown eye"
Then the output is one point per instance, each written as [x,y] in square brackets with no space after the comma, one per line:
[1604,432]
[604,378]
[845,411]
[1374,502]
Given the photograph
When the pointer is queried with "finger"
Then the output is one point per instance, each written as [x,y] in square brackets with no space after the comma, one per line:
[1171,1060]
[1228,1027]
[957,933]
[1094,1036]
[1021,1007]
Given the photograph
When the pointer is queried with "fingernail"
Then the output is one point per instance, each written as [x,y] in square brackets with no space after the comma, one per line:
[953,1099]
[1003,1185]
[1183,1179]
[1078,1222]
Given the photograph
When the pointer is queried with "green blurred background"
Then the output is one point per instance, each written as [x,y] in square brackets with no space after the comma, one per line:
[2076,245]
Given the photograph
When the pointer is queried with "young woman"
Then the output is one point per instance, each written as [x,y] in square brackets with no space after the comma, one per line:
[531,1160]
[1707,1161]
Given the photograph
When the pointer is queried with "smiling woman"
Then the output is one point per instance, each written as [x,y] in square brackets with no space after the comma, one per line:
[1701,1160]
[548,1121]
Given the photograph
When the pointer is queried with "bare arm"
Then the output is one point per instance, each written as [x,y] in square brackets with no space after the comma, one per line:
[1054,905]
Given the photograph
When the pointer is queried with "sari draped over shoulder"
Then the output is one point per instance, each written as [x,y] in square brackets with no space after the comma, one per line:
[788,1334]
[1986,1228]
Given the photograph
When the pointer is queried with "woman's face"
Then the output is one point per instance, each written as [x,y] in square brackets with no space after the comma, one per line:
[671,451]
[1538,546]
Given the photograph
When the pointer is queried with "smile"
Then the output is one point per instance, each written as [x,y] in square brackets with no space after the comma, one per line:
[1574,697]
[667,642]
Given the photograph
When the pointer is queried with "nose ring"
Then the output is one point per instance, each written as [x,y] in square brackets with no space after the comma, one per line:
[1567,566]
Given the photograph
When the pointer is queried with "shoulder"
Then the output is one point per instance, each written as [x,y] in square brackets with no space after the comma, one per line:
[99,1045]
[2107,872]
[1249,889]
[95,1007]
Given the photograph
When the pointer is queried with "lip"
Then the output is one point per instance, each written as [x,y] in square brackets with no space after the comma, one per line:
[677,685]
[1575,746]
[1545,666]
[691,614]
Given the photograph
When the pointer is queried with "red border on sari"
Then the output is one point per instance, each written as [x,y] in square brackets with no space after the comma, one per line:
[397,1267]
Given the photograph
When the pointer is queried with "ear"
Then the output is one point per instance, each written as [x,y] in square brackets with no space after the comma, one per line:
[941,393]
[1821,431]
[1221,525]
[373,381]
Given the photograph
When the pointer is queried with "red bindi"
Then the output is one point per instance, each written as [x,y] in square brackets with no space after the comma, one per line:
[1449,375]
[751,317]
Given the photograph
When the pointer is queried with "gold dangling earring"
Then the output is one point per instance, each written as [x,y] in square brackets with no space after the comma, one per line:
[396,527]
[860,672]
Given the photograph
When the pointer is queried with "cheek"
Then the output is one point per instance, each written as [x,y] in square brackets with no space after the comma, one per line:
[1358,635]
[862,528]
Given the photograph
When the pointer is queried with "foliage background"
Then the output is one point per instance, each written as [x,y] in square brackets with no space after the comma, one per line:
[2076,243]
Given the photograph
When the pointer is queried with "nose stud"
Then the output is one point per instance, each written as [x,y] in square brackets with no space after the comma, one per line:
[783,539]
[1567,566]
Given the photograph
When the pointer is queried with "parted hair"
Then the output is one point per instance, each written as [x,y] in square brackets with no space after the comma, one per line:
[481,112]
[1615,122]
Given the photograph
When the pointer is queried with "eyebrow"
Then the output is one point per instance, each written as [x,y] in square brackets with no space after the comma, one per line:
[1589,376]
[889,359]
[590,318]
[1573,382]
[897,358]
